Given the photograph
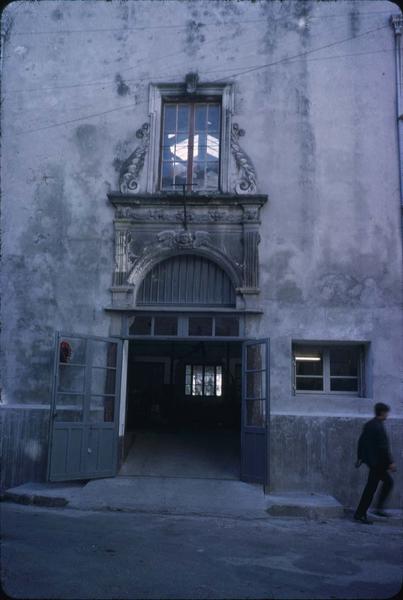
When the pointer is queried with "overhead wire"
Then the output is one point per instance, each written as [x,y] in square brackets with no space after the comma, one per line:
[318,58]
[224,68]
[221,38]
[102,82]
[301,54]
[241,72]
[190,21]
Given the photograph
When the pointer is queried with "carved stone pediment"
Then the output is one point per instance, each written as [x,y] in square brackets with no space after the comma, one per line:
[151,227]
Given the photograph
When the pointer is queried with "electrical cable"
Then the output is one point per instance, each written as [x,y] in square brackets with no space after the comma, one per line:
[299,55]
[241,72]
[103,82]
[225,69]
[190,22]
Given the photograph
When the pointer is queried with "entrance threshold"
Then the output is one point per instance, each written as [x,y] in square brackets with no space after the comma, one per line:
[184,454]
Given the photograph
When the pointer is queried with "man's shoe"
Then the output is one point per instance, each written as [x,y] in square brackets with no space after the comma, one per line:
[362,519]
[381,513]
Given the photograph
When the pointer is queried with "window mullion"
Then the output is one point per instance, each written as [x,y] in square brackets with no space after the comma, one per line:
[326,370]
[190,145]
[361,374]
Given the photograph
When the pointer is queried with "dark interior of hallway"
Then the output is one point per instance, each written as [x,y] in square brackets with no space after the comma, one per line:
[183,410]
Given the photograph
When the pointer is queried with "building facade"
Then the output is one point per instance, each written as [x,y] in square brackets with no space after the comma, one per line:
[214,188]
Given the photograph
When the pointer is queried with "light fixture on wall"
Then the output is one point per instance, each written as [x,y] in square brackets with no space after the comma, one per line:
[309,358]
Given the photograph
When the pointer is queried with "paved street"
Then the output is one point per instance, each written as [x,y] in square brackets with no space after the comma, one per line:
[65,553]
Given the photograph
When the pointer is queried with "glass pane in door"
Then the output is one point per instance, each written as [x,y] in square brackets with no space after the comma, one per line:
[72,350]
[102,409]
[69,407]
[103,380]
[71,378]
[256,385]
[104,354]
[255,357]
[255,413]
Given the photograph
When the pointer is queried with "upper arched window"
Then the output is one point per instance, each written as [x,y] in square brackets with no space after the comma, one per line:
[186,280]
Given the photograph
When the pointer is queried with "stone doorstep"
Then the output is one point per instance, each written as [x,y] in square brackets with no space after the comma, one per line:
[310,505]
[42,494]
[35,499]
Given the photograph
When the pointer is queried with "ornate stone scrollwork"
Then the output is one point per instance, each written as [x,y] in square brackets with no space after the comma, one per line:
[183,239]
[247,183]
[131,168]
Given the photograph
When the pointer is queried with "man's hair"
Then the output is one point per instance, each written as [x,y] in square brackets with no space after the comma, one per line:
[380,408]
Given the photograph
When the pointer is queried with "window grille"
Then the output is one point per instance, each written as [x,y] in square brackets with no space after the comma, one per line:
[203,380]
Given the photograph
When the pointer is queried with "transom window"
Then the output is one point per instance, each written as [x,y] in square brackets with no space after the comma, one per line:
[328,369]
[185,325]
[190,148]
[203,380]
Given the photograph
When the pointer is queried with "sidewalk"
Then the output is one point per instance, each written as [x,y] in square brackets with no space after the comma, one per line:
[180,496]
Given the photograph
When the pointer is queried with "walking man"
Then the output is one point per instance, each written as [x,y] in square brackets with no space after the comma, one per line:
[373,450]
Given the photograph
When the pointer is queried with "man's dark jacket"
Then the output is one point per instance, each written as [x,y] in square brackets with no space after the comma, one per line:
[373,445]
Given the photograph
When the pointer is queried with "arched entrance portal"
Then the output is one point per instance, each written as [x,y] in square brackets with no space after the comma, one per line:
[183,415]
[186,394]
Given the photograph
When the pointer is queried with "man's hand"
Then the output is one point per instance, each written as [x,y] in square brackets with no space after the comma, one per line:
[392,467]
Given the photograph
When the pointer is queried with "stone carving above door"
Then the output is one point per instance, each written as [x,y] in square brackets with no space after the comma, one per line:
[183,239]
[152,227]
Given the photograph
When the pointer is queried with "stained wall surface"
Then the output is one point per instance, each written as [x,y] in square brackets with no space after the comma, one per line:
[315,91]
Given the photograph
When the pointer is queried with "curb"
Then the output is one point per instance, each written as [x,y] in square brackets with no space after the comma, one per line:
[34,499]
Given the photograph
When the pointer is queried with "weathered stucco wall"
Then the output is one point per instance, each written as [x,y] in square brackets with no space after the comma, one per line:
[320,130]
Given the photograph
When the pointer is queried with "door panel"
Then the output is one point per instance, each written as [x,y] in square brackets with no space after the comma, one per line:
[85,409]
[255,410]
[254,457]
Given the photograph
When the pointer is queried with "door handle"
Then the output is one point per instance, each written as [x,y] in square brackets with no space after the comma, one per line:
[89,450]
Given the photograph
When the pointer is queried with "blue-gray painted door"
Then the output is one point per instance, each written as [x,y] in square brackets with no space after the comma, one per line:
[255,411]
[85,408]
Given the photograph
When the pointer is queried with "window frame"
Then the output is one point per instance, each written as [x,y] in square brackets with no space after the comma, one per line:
[183,325]
[324,350]
[160,93]
[204,396]
[192,101]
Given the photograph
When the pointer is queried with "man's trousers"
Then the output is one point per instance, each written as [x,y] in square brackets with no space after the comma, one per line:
[375,475]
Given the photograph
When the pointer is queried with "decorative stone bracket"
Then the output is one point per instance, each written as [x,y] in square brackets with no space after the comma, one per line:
[247,182]
[132,167]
